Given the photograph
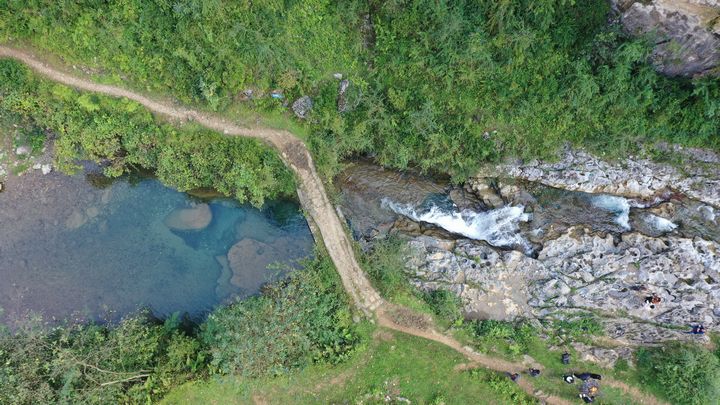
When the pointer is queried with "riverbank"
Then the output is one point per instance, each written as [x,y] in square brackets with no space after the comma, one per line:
[511,247]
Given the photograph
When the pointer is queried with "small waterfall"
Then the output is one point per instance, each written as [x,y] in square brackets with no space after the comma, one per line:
[617,205]
[499,227]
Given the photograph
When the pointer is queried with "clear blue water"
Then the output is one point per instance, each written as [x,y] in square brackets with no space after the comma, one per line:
[69,250]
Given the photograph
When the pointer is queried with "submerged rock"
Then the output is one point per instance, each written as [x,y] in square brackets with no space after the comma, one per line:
[75,220]
[249,254]
[189,219]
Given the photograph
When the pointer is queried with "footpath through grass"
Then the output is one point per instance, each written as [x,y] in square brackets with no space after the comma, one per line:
[390,365]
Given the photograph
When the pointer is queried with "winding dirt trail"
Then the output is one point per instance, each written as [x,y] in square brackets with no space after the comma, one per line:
[292,150]
[318,208]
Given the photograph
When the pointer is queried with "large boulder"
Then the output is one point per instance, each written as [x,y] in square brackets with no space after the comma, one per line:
[189,219]
[686,32]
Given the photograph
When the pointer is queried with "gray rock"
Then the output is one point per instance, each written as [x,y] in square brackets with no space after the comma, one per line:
[302,106]
[22,150]
[342,102]
[686,32]
[582,271]
[633,177]
[605,357]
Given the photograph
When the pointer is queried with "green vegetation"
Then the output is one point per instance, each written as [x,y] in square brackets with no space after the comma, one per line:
[389,364]
[139,359]
[480,80]
[121,136]
[518,337]
[579,327]
[301,320]
[685,374]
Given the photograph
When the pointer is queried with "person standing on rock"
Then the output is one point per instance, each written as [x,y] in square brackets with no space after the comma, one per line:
[653,300]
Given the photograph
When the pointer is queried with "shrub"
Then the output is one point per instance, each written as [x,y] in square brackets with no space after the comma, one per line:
[685,373]
[385,265]
[518,336]
[503,386]
[445,304]
[582,326]
[132,362]
[295,322]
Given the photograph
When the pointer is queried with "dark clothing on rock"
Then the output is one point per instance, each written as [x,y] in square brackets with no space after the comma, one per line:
[587,399]
[587,376]
[534,372]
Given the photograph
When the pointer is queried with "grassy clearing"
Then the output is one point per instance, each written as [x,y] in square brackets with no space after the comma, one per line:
[388,364]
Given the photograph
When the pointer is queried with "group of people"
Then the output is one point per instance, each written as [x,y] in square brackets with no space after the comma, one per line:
[589,388]
[652,301]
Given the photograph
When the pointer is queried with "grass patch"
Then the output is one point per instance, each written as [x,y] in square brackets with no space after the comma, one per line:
[390,364]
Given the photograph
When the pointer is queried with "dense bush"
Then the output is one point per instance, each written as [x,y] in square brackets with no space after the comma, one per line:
[385,265]
[138,360]
[204,51]
[122,136]
[296,321]
[686,374]
[481,79]
[518,336]
[301,320]
[445,304]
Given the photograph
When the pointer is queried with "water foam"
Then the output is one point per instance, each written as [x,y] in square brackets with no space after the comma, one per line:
[499,227]
[660,224]
[617,205]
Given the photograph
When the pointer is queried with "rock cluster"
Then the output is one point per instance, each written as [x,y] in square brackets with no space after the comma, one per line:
[302,106]
[633,177]
[581,270]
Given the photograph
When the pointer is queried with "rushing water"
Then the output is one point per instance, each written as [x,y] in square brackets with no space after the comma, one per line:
[68,249]
[374,198]
[499,227]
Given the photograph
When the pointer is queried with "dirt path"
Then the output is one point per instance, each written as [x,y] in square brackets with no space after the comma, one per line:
[318,208]
[396,318]
[311,190]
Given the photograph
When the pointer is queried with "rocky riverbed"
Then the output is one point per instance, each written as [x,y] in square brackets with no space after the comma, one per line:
[551,240]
